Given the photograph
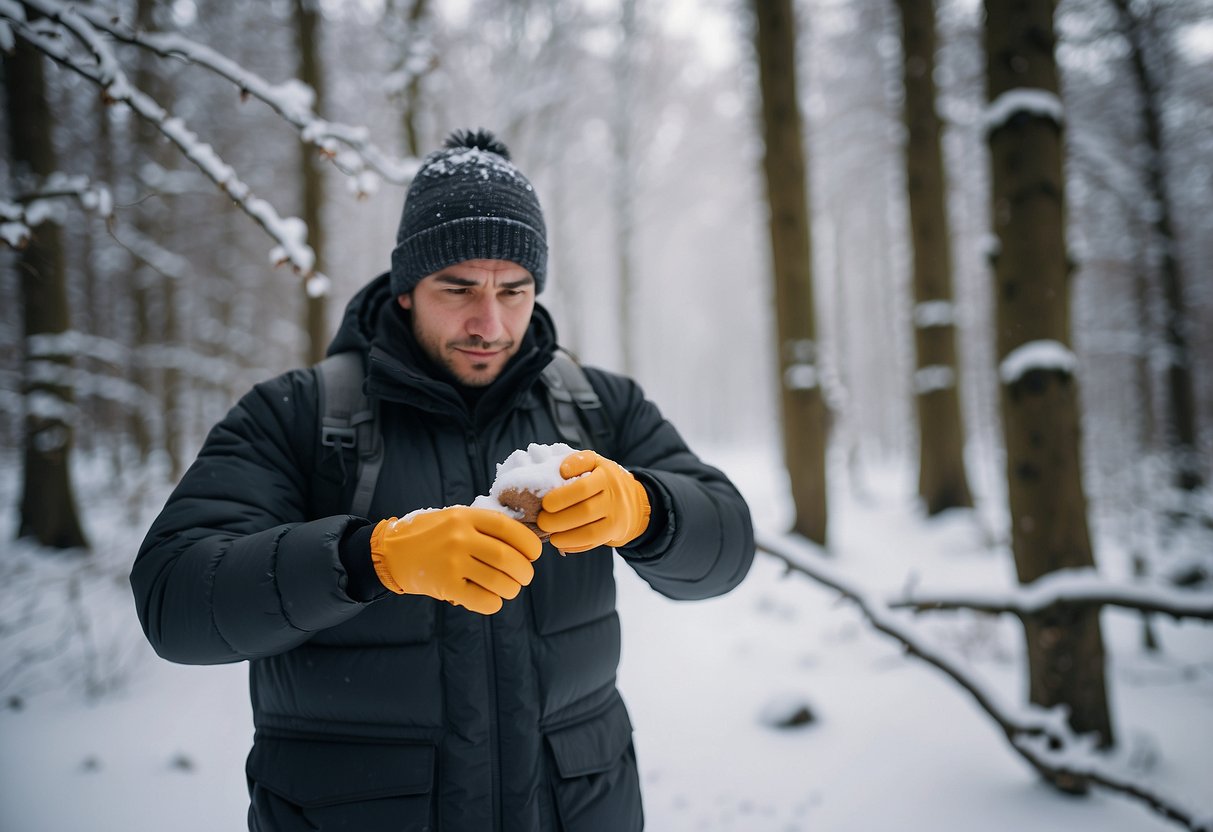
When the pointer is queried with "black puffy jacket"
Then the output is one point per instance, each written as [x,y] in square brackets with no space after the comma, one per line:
[404,712]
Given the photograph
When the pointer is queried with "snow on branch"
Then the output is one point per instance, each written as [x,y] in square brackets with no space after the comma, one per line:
[1037,355]
[25,212]
[1040,736]
[290,233]
[1071,587]
[348,146]
[159,259]
[1036,102]
[1065,762]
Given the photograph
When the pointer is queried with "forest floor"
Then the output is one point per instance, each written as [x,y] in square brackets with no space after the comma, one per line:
[97,733]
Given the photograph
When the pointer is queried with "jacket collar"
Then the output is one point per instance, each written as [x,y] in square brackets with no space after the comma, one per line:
[400,371]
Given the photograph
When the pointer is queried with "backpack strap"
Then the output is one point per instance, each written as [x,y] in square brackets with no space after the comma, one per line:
[349,421]
[574,405]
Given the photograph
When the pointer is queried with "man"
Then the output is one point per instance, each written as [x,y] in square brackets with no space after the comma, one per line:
[446,671]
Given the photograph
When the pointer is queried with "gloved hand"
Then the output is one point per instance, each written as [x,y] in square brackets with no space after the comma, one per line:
[606,507]
[472,557]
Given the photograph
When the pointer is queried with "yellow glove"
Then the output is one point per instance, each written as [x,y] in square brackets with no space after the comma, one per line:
[606,507]
[472,557]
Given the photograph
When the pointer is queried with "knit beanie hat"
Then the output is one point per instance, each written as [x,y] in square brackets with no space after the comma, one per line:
[468,202]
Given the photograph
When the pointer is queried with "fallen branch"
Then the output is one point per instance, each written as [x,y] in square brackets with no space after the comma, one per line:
[1070,587]
[1041,737]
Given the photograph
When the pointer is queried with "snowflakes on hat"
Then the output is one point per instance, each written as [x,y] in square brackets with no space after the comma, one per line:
[480,148]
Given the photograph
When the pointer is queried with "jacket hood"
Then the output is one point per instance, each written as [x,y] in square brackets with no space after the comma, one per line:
[357,328]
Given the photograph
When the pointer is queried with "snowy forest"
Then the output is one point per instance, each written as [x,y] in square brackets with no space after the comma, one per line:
[931,280]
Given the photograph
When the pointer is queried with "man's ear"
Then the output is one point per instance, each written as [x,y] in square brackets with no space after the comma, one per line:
[405,300]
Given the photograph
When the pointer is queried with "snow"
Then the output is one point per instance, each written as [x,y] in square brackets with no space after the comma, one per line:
[487,162]
[1035,102]
[14,233]
[800,377]
[73,342]
[934,313]
[991,246]
[46,405]
[318,286]
[1037,355]
[535,469]
[41,210]
[933,378]
[1071,585]
[893,744]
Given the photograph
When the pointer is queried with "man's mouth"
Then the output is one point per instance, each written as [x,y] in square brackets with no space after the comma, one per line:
[480,353]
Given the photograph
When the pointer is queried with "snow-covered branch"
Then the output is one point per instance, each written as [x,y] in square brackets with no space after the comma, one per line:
[159,259]
[1087,767]
[348,146]
[1071,587]
[25,212]
[1042,737]
[290,233]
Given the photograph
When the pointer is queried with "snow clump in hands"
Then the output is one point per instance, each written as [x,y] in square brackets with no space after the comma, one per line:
[522,481]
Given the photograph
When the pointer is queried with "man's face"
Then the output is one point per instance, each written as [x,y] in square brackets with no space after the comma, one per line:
[471,317]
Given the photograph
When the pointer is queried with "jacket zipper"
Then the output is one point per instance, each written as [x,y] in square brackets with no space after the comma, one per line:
[473,446]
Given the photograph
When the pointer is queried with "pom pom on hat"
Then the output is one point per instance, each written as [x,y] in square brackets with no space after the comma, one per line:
[468,202]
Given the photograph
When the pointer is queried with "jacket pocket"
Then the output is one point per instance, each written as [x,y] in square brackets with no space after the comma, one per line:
[596,785]
[324,785]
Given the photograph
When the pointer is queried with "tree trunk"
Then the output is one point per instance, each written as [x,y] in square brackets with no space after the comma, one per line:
[803,408]
[307,21]
[1039,395]
[942,482]
[415,17]
[48,503]
[154,295]
[1181,402]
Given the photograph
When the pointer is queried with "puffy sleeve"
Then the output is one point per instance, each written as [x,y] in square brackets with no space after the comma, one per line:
[231,569]
[702,541]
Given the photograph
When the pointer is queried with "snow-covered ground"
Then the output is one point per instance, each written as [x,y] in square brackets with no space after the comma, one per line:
[892,744]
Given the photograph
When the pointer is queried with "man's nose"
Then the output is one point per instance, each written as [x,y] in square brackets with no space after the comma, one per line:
[485,320]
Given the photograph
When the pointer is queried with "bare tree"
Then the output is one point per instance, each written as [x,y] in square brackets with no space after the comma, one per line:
[48,503]
[942,482]
[155,293]
[307,23]
[1182,427]
[803,406]
[1038,369]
